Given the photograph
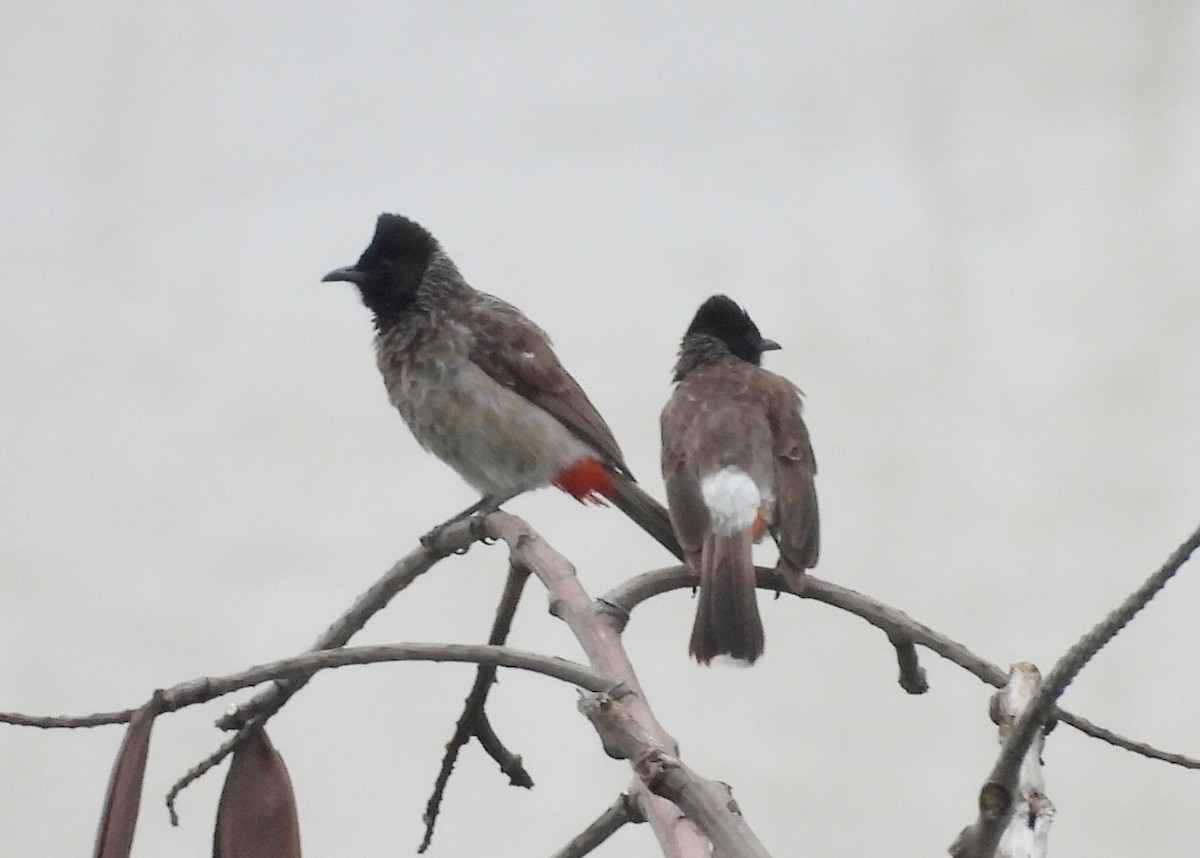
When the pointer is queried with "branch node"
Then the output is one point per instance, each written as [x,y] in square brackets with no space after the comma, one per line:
[615,615]
[912,676]
[632,803]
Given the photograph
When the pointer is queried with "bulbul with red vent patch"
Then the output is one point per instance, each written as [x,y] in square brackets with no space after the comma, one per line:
[479,384]
[737,463]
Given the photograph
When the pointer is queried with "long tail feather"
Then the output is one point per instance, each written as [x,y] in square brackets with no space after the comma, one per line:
[646,512]
[727,620]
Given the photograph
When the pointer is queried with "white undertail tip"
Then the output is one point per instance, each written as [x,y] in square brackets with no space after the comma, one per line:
[732,499]
[730,661]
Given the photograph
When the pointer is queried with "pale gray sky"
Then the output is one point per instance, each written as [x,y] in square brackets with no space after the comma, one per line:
[971,226]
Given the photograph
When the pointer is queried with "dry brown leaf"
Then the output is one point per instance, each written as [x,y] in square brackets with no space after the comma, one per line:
[119,820]
[256,817]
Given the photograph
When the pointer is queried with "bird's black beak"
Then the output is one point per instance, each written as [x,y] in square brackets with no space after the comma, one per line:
[766,345]
[350,274]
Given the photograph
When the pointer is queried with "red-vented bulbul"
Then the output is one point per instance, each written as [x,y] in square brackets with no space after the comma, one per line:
[737,462]
[480,386]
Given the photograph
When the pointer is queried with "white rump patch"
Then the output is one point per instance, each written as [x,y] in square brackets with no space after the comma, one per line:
[732,500]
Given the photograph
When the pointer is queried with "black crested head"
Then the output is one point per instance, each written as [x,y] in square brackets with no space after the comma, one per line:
[721,318]
[392,267]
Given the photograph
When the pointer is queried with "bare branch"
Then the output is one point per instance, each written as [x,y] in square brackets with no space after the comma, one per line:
[67,722]
[1027,830]
[623,810]
[591,624]
[895,623]
[622,599]
[453,539]
[309,663]
[1001,783]
[205,689]
[208,688]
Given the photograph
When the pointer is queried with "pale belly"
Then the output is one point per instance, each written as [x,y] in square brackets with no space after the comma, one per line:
[495,439]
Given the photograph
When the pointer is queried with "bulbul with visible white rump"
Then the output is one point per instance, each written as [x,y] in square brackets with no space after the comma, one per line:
[480,386]
[737,462]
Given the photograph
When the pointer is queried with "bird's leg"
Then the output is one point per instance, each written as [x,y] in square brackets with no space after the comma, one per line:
[795,577]
[479,510]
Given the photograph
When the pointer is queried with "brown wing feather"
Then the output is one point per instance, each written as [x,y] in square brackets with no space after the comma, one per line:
[516,353]
[689,515]
[797,523]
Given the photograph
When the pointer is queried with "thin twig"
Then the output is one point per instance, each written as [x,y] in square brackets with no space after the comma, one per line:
[473,721]
[1083,725]
[201,690]
[210,687]
[453,539]
[206,765]
[67,722]
[510,763]
[622,811]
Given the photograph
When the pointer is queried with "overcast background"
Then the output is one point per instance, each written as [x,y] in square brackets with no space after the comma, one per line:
[971,225]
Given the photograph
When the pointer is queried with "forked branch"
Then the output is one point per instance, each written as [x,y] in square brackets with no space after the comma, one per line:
[997,795]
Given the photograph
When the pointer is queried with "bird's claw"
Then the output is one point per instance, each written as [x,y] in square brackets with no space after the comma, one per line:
[478,526]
